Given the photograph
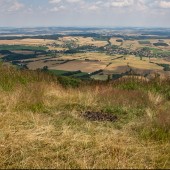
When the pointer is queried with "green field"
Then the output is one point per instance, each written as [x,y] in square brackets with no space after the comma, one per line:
[144,42]
[157,51]
[58,72]
[22,47]
[68,73]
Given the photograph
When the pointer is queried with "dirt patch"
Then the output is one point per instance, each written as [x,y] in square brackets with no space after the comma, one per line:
[99,116]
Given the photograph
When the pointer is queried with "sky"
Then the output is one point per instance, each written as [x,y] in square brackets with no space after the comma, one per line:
[85,13]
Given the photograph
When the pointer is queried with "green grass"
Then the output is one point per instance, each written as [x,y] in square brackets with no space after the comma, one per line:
[11,77]
[144,42]
[100,77]
[58,72]
[158,51]
[22,47]
[79,75]
[72,74]
[155,86]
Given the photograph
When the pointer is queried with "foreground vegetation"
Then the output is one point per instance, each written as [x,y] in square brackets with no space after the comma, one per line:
[51,122]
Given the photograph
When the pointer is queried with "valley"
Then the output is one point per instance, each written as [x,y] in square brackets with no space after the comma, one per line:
[93,53]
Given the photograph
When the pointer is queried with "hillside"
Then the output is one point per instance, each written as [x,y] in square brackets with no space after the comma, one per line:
[60,122]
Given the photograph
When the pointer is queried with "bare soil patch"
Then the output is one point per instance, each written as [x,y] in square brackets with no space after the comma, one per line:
[99,116]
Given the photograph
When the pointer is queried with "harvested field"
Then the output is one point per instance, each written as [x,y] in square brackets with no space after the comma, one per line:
[133,62]
[1,55]
[84,41]
[22,52]
[80,65]
[117,69]
[37,59]
[115,42]
[40,64]
[137,63]
[133,44]
[160,61]
[26,42]
[89,56]
[57,48]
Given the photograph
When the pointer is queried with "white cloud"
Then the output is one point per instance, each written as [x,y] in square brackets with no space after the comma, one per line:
[164,4]
[15,6]
[93,8]
[59,8]
[10,5]
[54,1]
[122,3]
[73,1]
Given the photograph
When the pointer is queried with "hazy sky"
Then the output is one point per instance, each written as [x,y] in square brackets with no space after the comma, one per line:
[146,13]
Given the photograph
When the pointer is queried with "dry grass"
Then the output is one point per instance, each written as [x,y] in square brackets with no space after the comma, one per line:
[41,127]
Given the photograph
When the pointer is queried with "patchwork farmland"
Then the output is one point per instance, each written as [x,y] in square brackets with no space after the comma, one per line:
[97,57]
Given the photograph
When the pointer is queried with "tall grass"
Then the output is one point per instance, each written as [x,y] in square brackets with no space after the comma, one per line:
[42,126]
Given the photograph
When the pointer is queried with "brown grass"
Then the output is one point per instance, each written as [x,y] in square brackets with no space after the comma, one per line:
[41,127]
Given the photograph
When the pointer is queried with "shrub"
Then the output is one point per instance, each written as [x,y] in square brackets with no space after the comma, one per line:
[69,82]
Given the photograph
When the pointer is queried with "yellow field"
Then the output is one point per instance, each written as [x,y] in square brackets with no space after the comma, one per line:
[159,61]
[134,44]
[84,41]
[80,65]
[40,57]
[57,48]
[40,64]
[22,52]
[90,62]
[89,56]
[26,42]
[114,42]
[133,62]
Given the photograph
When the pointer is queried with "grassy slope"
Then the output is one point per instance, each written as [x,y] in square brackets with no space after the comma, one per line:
[41,124]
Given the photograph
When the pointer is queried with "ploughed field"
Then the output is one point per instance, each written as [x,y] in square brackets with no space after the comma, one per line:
[92,58]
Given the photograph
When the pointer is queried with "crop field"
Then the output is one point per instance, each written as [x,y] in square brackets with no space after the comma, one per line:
[159,61]
[40,57]
[136,44]
[90,56]
[84,41]
[22,52]
[91,62]
[133,44]
[114,41]
[65,54]
[80,65]
[26,42]
[40,64]
[22,47]
[57,48]
[121,65]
